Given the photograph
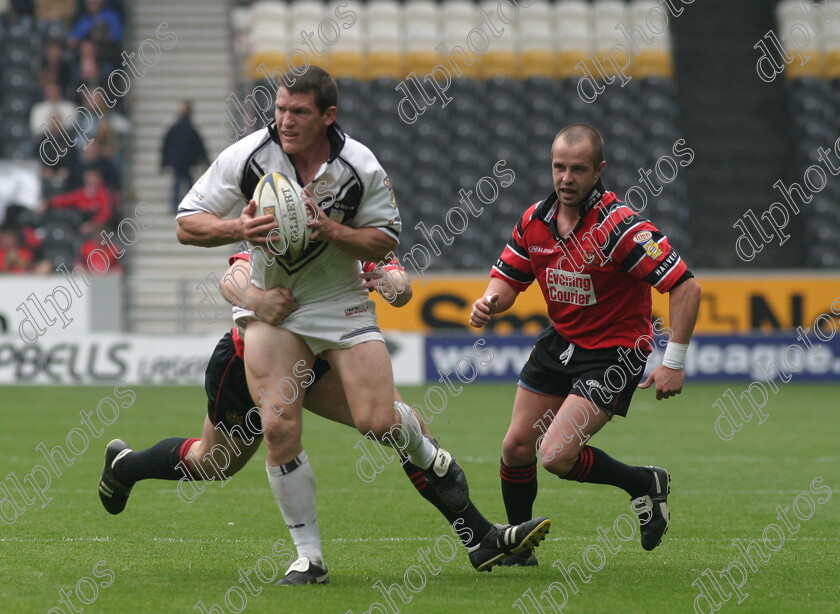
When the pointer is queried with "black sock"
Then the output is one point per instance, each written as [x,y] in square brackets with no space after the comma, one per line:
[470,524]
[597,467]
[163,461]
[519,490]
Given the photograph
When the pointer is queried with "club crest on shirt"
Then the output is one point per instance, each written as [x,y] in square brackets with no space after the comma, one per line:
[652,249]
[588,254]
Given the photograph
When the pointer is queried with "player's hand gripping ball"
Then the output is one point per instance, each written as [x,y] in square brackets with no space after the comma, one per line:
[282,197]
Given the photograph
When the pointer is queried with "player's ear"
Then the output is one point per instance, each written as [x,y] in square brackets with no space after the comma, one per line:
[600,169]
[330,115]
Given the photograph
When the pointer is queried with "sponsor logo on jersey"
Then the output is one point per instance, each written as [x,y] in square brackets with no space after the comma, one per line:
[643,236]
[540,249]
[653,250]
[387,183]
[340,211]
[355,310]
[570,287]
[666,264]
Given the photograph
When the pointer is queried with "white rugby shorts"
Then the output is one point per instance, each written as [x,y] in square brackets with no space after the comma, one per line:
[329,325]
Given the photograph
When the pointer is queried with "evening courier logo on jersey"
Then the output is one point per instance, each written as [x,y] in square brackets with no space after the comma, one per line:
[570,287]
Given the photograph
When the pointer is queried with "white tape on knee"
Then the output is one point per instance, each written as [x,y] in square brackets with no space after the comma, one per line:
[411,432]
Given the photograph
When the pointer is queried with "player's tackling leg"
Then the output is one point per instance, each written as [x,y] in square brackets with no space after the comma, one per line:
[236,432]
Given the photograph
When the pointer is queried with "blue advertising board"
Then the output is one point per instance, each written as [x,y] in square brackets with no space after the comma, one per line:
[709,357]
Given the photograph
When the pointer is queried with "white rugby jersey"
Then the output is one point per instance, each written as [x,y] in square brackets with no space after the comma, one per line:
[351,187]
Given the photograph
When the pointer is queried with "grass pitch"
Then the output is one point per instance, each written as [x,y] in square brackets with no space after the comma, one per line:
[165,555]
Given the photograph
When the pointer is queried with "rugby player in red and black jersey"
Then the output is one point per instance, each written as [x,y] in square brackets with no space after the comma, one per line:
[595,260]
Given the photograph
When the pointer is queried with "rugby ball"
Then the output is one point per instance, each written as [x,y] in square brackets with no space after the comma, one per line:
[282,197]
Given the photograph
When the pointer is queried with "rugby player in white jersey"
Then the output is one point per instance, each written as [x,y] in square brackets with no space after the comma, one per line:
[232,429]
[358,221]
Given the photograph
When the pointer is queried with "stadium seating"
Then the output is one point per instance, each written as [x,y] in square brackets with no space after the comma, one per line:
[813,94]
[18,54]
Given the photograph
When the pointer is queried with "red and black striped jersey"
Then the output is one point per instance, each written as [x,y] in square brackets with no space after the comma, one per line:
[596,281]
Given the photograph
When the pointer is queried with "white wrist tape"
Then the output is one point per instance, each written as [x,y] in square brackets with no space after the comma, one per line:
[674,355]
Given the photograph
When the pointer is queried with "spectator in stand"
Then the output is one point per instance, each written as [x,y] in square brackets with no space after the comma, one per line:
[19,12]
[120,123]
[99,23]
[52,105]
[14,256]
[24,220]
[98,104]
[92,157]
[182,149]
[55,16]
[104,260]
[87,72]
[111,126]
[93,199]
[57,177]
[100,54]
[109,143]
[54,67]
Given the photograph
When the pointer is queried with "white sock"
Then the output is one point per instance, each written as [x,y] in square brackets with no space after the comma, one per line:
[410,438]
[293,485]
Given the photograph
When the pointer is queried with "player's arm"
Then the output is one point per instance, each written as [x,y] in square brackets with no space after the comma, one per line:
[683,307]
[498,297]
[202,213]
[511,274]
[272,306]
[366,244]
[209,230]
[375,230]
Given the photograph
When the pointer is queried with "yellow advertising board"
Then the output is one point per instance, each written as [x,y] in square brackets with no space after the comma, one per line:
[730,304]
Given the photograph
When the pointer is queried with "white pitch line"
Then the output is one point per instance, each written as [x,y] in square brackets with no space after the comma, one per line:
[582,539]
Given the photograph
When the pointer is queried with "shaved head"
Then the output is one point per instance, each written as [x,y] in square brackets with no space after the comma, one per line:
[576,133]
